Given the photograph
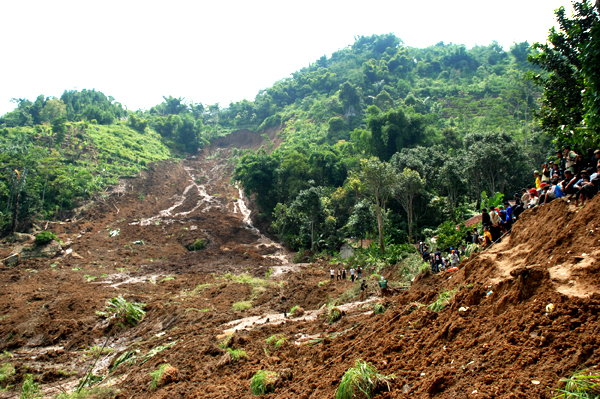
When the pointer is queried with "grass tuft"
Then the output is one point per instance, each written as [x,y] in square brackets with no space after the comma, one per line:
[237,354]
[157,375]
[581,385]
[226,341]
[379,308]
[128,312]
[443,300]
[243,305]
[362,381]
[262,382]
[93,393]
[334,315]
[276,340]
[30,389]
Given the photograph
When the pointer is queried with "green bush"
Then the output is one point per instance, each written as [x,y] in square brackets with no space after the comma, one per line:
[262,382]
[361,381]
[45,237]
[157,374]
[443,300]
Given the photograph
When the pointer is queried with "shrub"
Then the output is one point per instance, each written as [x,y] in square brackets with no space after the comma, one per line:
[127,312]
[45,237]
[237,354]
[581,385]
[362,380]
[243,305]
[262,382]
[7,370]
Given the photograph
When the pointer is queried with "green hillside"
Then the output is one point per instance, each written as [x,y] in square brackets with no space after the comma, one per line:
[450,127]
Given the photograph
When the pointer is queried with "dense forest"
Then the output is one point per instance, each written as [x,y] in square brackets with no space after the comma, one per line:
[380,139]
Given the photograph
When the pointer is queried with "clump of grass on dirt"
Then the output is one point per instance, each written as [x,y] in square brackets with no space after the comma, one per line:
[246,278]
[379,308]
[276,340]
[242,305]
[7,370]
[159,374]
[30,389]
[155,351]
[581,385]
[322,283]
[225,341]
[237,354]
[362,380]
[262,382]
[93,393]
[95,351]
[128,312]
[333,315]
[197,245]
[443,300]
[45,237]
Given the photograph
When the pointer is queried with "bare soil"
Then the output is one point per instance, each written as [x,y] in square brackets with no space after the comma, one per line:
[498,338]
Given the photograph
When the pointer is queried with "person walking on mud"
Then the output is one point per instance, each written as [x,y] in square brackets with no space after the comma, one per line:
[359,272]
[352,277]
[344,274]
[339,274]
[363,290]
[332,273]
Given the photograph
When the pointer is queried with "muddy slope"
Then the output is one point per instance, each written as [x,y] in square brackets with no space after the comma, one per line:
[498,337]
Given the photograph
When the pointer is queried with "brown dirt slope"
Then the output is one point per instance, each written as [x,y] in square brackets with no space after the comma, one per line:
[497,337]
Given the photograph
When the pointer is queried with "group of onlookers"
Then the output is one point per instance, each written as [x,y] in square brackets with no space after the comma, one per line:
[573,176]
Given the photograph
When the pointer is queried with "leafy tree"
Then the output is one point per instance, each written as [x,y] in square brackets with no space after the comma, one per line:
[377,182]
[571,84]
[258,172]
[59,128]
[408,187]
[360,222]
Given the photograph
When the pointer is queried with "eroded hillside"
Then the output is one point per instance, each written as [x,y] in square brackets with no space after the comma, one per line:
[498,337]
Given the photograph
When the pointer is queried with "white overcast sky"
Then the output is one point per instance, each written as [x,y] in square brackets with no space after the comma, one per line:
[222,51]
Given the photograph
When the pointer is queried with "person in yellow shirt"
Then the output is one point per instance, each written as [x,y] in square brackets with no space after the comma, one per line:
[538,179]
[487,237]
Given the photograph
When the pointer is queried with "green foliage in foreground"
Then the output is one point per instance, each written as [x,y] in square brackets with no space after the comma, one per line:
[30,389]
[128,312]
[198,245]
[262,382]
[581,385]
[379,308]
[91,393]
[362,380]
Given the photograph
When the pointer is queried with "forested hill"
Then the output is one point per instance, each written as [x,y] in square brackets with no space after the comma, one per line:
[376,97]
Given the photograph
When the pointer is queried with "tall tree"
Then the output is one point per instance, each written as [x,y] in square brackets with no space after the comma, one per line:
[378,180]
[408,187]
[570,59]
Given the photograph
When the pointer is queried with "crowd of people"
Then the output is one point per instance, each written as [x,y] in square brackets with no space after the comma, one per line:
[573,176]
